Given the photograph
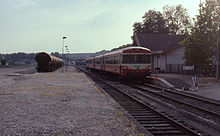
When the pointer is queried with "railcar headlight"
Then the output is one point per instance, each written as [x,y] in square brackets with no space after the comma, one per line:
[125,67]
[148,67]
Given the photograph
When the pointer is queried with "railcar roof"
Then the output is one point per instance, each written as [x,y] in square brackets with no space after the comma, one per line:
[121,51]
[43,54]
[126,49]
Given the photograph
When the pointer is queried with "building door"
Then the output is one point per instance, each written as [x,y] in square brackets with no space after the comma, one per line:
[158,62]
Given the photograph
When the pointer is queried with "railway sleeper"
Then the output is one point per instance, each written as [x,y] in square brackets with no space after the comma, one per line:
[118,97]
[130,108]
[139,110]
[160,128]
[141,114]
[168,133]
[150,116]
[144,111]
[157,125]
[129,103]
[149,119]
[153,122]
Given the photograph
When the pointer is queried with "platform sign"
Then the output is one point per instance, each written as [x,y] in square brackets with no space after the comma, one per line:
[188,68]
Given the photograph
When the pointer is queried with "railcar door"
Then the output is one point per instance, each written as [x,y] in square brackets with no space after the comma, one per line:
[102,63]
[120,60]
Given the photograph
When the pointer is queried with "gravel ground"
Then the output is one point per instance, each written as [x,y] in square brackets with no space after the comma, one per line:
[59,104]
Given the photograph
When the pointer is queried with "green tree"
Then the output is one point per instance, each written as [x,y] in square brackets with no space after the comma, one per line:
[153,22]
[138,28]
[200,44]
[177,19]
[174,20]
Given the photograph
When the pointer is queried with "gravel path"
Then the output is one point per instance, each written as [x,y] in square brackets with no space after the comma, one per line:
[59,104]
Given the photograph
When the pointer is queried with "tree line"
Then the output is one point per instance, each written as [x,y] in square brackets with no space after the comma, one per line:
[173,20]
[200,43]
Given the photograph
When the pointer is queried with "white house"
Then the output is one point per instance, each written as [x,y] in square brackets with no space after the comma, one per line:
[167,54]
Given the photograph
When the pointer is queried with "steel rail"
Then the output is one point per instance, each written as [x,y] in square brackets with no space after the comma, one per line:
[181,102]
[170,120]
[187,95]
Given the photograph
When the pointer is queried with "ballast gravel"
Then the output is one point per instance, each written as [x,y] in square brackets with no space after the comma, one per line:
[59,103]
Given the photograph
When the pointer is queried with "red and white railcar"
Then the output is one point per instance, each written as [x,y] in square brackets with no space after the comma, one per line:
[126,62]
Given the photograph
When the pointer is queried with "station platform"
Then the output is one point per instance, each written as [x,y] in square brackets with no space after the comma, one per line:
[208,86]
[59,103]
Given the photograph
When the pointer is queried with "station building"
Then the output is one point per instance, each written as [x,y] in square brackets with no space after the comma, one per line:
[167,54]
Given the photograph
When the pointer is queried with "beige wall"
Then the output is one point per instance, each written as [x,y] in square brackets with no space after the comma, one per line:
[176,56]
[173,57]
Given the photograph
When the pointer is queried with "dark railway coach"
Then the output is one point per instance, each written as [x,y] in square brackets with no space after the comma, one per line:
[47,62]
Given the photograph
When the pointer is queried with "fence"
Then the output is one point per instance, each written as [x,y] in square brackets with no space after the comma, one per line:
[200,70]
[174,68]
[178,69]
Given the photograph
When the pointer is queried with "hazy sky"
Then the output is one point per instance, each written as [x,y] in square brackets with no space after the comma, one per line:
[89,25]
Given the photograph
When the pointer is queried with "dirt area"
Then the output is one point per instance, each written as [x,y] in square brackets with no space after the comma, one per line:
[58,104]
[208,86]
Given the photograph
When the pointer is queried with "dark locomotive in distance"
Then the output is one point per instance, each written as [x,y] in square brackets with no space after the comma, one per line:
[47,62]
[130,62]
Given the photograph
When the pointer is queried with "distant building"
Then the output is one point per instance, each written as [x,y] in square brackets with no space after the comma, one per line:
[81,56]
[167,54]
[2,59]
[21,62]
[76,56]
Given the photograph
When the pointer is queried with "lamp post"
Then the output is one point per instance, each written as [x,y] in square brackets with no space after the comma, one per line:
[66,58]
[63,44]
[66,48]
[63,50]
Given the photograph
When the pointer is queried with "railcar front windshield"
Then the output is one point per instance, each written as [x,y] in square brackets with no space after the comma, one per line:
[135,59]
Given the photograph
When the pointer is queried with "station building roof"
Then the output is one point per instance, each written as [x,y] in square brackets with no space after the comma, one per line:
[158,43]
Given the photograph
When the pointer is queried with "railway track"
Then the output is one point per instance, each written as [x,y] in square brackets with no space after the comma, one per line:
[202,107]
[155,121]
[203,100]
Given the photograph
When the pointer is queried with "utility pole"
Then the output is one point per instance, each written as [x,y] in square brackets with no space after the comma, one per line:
[217,42]
[217,59]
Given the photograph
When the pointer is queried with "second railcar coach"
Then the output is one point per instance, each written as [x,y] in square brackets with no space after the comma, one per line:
[130,62]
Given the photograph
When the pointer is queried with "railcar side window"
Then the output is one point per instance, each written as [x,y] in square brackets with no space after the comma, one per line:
[89,61]
[98,61]
[116,59]
[134,59]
